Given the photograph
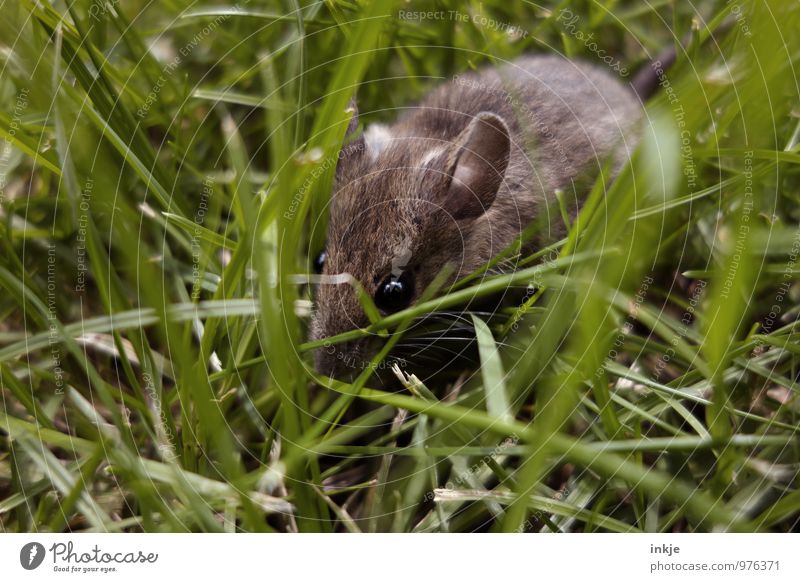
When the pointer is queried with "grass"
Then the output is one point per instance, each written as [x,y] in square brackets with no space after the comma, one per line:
[161,167]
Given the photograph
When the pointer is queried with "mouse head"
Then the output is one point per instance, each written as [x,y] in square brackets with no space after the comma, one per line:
[402,210]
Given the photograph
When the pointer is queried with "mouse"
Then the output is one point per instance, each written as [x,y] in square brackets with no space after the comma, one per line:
[455,180]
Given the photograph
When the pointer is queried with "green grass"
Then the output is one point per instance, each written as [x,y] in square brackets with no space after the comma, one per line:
[154,219]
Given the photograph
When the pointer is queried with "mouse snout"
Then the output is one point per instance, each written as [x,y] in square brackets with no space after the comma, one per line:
[337,312]
[343,361]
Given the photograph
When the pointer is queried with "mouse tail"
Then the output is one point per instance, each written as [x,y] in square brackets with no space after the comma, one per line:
[646,81]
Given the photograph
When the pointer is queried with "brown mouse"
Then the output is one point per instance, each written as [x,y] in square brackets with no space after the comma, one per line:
[456,179]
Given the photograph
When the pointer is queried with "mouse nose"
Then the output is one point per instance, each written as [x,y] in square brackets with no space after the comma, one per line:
[344,361]
[338,311]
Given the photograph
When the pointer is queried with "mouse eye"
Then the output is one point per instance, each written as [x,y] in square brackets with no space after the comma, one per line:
[319,262]
[395,293]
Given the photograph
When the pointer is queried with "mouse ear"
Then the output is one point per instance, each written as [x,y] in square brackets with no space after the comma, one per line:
[352,107]
[476,166]
[353,140]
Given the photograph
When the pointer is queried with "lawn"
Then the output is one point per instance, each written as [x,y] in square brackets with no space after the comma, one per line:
[164,172]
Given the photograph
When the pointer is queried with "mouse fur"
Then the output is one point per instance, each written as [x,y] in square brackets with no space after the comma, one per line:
[457,178]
